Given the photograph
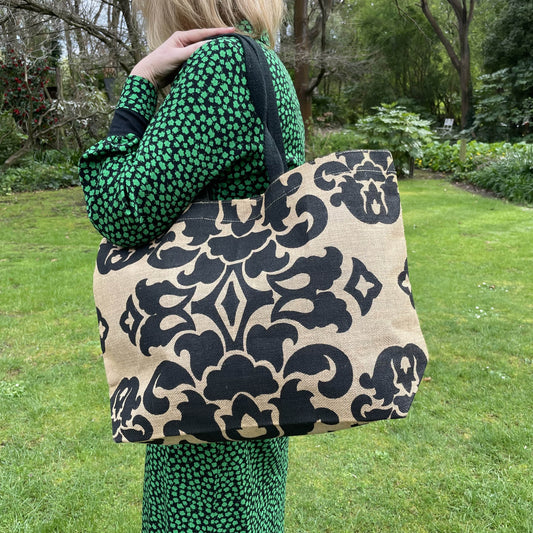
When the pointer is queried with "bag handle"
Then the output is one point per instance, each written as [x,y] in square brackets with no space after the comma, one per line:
[263,97]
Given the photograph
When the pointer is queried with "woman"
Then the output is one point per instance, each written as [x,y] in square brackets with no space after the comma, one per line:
[204,137]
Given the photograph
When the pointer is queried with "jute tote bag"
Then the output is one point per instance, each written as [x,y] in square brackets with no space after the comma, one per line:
[284,314]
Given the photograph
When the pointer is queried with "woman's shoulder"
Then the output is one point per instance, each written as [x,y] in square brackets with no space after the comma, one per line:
[224,51]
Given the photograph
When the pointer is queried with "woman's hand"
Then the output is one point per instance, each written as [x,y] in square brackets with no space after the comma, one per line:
[160,66]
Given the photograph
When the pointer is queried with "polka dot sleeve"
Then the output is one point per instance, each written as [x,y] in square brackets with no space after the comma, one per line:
[137,183]
[205,133]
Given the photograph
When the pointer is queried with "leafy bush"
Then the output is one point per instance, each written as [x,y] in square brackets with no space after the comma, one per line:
[398,130]
[24,81]
[45,170]
[510,177]
[446,156]
[391,128]
[11,138]
[323,142]
[503,168]
[505,105]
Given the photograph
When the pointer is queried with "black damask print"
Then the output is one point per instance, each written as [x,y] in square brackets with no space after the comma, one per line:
[113,258]
[197,418]
[243,407]
[205,350]
[103,328]
[303,233]
[404,284]
[239,375]
[309,281]
[363,286]
[166,255]
[258,326]
[369,194]
[276,198]
[124,402]
[217,305]
[160,315]
[290,401]
[313,359]
[167,376]
[266,344]
[395,378]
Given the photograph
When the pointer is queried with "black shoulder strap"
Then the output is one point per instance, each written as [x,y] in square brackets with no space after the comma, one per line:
[264,100]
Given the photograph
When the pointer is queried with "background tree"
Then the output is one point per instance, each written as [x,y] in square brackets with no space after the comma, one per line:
[505,103]
[459,52]
[309,33]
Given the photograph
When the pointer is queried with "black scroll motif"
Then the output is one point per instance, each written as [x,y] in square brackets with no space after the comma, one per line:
[242,407]
[369,192]
[200,222]
[314,359]
[303,233]
[160,315]
[167,376]
[238,374]
[303,292]
[395,378]
[276,208]
[291,401]
[111,258]
[265,260]
[404,284]
[226,247]
[266,344]
[197,419]
[168,256]
[363,286]
[124,401]
[103,328]
[205,350]
[205,270]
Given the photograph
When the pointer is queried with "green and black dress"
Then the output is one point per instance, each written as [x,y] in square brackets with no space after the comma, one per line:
[136,182]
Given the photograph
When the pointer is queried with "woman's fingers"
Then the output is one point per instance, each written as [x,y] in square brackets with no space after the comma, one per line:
[186,38]
[160,66]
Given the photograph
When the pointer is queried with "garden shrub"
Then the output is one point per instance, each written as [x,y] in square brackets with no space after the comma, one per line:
[323,142]
[511,177]
[398,130]
[48,169]
[11,138]
[391,128]
[503,168]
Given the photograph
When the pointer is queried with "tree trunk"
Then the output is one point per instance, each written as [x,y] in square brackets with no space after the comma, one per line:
[461,59]
[302,68]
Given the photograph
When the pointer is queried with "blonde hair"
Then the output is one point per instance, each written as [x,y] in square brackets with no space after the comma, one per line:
[164,17]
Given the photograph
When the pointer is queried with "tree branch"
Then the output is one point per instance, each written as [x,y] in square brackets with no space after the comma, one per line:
[73,20]
[440,34]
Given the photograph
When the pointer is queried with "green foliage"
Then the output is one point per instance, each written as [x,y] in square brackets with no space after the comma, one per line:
[391,128]
[398,130]
[323,142]
[11,137]
[510,177]
[505,104]
[509,40]
[48,169]
[503,168]
[24,82]
[446,156]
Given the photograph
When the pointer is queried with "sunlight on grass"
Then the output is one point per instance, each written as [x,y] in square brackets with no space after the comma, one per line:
[461,462]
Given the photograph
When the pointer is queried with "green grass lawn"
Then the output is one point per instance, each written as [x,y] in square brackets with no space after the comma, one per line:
[461,462]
